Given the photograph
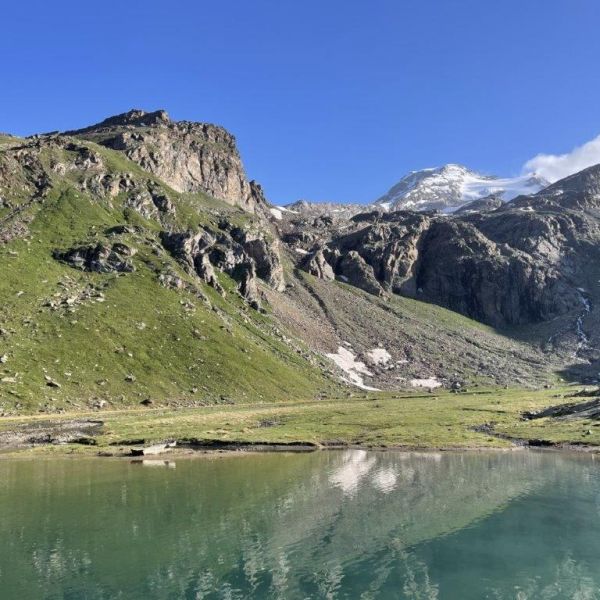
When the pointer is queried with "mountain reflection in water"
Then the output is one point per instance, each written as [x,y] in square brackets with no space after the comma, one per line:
[355,524]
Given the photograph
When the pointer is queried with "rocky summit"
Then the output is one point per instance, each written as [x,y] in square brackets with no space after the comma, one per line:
[189,157]
[141,266]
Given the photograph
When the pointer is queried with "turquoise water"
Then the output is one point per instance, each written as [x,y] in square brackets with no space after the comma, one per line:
[354,525]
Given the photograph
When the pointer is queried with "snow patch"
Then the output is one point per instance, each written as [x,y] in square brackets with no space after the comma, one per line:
[354,369]
[302,251]
[379,356]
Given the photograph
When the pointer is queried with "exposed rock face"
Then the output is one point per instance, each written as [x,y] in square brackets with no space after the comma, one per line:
[317,265]
[466,271]
[244,255]
[486,204]
[353,269]
[389,244]
[31,169]
[332,210]
[580,191]
[22,171]
[206,272]
[264,253]
[523,262]
[102,258]
[190,157]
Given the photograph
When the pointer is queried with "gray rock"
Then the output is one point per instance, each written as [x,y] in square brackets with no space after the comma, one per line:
[101,258]
[356,271]
[317,265]
[189,157]
[51,382]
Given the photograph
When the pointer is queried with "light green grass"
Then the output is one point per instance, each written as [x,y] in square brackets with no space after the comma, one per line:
[178,348]
[444,421]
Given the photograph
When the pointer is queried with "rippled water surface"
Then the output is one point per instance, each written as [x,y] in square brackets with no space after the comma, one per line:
[354,524]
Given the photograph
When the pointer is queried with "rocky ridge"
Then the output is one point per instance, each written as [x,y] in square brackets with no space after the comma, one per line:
[517,264]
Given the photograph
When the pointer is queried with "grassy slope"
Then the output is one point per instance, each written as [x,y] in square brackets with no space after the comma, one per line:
[383,419]
[169,340]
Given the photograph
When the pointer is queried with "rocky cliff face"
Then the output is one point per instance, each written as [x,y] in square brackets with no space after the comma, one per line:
[244,254]
[189,157]
[524,262]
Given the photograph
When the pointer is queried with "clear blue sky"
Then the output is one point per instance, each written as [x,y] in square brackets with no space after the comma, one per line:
[329,99]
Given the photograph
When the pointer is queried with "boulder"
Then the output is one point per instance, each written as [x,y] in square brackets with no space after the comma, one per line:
[316,264]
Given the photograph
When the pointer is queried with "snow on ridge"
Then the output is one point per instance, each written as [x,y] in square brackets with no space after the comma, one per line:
[452,186]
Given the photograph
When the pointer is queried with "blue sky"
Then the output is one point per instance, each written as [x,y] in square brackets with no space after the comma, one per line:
[329,100]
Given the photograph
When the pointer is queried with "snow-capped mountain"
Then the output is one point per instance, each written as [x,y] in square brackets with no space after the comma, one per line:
[452,186]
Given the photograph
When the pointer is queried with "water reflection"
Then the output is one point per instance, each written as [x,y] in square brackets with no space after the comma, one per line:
[353,524]
[356,464]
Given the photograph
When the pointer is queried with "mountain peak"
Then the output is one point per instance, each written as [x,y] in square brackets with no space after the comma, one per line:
[134,117]
[580,191]
[451,186]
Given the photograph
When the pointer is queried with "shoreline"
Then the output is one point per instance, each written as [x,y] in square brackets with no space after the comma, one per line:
[219,448]
[496,419]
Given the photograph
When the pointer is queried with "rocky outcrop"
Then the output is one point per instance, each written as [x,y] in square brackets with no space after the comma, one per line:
[245,255]
[265,253]
[101,258]
[332,210]
[189,157]
[23,173]
[390,244]
[487,204]
[353,269]
[30,170]
[317,265]
[245,273]
[464,270]
[575,410]
[206,272]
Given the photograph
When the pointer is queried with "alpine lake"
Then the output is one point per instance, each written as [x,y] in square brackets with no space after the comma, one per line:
[352,524]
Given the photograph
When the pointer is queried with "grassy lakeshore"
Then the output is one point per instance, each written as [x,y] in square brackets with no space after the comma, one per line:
[485,418]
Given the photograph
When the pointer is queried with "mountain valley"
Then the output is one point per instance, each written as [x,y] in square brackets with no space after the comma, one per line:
[141,267]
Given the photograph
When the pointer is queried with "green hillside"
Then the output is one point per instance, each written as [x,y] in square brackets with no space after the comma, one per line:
[122,338]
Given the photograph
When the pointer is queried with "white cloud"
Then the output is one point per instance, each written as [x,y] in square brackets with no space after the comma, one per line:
[556,166]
